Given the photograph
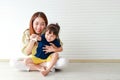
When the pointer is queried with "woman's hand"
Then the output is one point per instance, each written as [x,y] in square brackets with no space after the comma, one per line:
[48,49]
[52,48]
[35,37]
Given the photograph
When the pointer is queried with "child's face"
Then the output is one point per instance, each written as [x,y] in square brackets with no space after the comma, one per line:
[50,37]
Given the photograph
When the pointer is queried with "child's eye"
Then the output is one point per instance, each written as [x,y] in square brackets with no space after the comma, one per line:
[47,34]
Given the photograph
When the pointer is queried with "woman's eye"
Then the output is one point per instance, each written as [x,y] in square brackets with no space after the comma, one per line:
[42,24]
[36,23]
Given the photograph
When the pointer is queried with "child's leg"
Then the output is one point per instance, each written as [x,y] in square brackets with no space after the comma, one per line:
[52,63]
[33,66]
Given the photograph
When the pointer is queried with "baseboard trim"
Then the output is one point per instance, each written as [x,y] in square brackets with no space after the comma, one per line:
[83,60]
[94,60]
[4,60]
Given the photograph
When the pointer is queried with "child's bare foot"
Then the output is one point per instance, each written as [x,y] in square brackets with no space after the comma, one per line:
[42,68]
[45,73]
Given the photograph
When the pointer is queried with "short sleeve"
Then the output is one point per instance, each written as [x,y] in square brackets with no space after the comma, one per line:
[57,43]
[25,39]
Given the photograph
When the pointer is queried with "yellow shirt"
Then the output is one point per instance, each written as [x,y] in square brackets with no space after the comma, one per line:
[25,41]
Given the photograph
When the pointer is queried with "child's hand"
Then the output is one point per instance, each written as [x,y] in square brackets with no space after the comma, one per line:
[38,38]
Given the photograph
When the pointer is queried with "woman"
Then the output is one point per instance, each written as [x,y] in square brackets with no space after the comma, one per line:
[38,22]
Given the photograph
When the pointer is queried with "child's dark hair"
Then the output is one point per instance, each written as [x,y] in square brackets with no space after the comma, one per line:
[53,28]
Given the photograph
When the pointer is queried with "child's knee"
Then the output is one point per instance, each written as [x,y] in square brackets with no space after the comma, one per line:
[56,55]
[27,60]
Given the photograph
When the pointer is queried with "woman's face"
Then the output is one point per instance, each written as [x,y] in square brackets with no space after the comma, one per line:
[39,25]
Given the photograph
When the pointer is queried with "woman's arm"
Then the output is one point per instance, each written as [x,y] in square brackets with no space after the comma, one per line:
[58,49]
[29,47]
[33,39]
[29,42]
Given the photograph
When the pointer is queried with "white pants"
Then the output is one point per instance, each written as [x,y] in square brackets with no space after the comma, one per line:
[16,63]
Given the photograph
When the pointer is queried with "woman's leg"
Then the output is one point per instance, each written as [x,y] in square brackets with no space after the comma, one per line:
[18,64]
[52,63]
[61,63]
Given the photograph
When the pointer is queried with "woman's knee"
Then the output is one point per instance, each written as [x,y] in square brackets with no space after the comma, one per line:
[17,64]
[14,61]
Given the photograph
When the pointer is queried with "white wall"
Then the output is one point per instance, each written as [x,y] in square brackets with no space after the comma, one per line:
[89,28]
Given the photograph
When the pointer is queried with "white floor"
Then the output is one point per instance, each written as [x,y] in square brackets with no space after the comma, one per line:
[74,71]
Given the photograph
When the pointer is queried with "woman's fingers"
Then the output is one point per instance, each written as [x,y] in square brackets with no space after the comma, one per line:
[52,45]
[48,49]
